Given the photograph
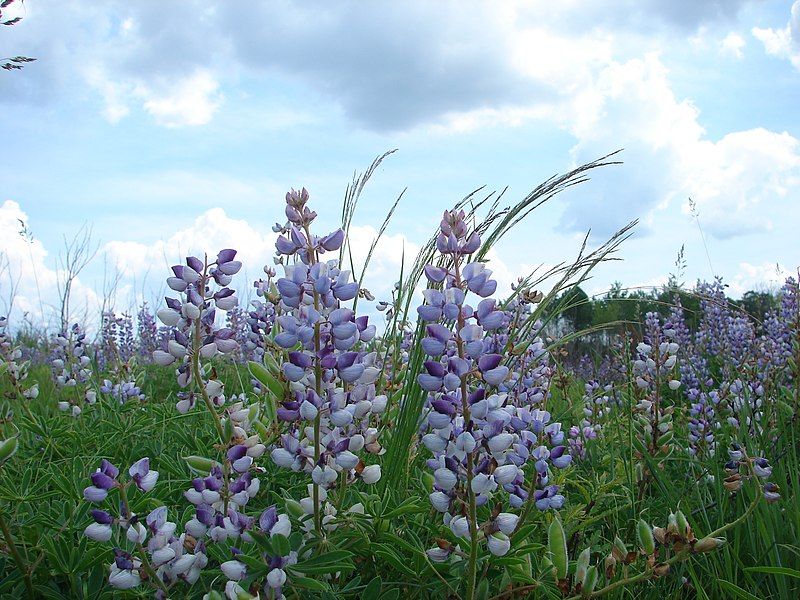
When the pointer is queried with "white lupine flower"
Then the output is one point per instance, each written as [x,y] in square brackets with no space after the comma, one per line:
[507,522]
[347,460]
[440,501]
[445,478]
[98,532]
[233,569]
[460,527]
[379,404]
[136,533]
[371,474]
[500,442]
[123,579]
[498,543]
[505,474]
[276,578]
[282,526]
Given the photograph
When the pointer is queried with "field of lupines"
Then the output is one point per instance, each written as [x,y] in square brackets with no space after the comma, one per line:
[294,448]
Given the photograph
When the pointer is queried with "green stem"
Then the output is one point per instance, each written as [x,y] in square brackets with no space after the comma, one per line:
[473,510]
[196,373]
[647,573]
[151,573]
[20,562]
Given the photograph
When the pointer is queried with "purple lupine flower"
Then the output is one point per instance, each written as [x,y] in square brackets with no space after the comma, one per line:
[482,424]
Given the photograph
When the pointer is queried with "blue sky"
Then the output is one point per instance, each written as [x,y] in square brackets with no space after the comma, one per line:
[175,127]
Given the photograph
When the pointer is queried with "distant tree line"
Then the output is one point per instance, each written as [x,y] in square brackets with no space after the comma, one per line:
[624,309]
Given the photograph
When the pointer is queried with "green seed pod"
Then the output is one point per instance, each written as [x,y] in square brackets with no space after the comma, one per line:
[7,448]
[557,543]
[666,438]
[252,413]
[294,508]
[428,480]
[582,564]
[266,378]
[200,464]
[214,595]
[619,550]
[683,524]
[227,430]
[645,534]
[589,582]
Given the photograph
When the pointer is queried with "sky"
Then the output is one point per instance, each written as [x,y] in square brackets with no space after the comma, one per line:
[175,128]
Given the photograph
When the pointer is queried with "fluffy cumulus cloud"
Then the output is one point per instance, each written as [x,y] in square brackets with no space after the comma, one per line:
[425,61]
[735,182]
[214,229]
[762,277]
[783,42]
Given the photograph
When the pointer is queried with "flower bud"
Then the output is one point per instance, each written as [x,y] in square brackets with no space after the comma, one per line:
[582,564]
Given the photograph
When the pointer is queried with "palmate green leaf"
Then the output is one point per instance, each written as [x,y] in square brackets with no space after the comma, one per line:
[309,584]
[392,594]
[330,562]
[255,566]
[372,589]
[281,544]
[387,553]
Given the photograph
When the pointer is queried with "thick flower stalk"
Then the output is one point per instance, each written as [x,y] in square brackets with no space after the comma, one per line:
[327,393]
[71,367]
[654,370]
[195,336]
[598,401]
[482,423]
[146,332]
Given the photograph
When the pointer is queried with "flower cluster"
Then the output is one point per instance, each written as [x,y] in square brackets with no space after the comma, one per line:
[122,392]
[13,364]
[71,366]
[741,468]
[153,552]
[146,331]
[653,370]
[203,290]
[482,423]
[326,382]
[597,403]
[276,555]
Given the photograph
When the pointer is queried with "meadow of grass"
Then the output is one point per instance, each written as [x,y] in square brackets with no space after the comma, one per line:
[661,432]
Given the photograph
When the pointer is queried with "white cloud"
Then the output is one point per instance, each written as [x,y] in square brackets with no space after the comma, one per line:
[732,45]
[735,181]
[214,229]
[784,42]
[766,277]
[192,100]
